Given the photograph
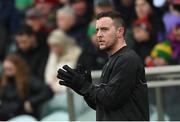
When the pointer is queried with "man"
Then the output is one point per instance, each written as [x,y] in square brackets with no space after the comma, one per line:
[31,51]
[121,93]
[95,58]
[67,22]
[37,21]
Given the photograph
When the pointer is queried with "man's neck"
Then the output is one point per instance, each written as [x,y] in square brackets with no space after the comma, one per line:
[116,48]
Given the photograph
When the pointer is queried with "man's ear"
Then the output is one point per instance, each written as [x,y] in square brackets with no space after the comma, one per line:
[120,31]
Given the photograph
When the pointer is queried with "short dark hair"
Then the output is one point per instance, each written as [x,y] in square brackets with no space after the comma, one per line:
[115,16]
[25,30]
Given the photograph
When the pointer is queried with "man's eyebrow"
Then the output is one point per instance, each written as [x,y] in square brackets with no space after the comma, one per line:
[102,28]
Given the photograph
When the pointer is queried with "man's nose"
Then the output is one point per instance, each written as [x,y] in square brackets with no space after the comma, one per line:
[99,34]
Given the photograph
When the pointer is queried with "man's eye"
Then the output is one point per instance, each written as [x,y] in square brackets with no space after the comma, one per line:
[104,29]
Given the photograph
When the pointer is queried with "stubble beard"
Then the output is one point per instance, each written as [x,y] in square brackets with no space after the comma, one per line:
[108,48]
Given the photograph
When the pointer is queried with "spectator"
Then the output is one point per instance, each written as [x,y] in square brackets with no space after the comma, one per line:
[83,10]
[66,21]
[37,21]
[145,8]
[48,9]
[92,58]
[160,55]
[63,51]
[20,92]
[142,31]
[172,17]
[127,8]
[102,6]
[174,37]
[34,54]
[46,6]
[66,18]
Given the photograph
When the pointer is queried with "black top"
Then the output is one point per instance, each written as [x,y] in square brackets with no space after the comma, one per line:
[12,105]
[121,93]
[144,49]
[36,58]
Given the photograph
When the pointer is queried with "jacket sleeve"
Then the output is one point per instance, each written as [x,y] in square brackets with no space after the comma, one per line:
[116,92]
[39,93]
[91,103]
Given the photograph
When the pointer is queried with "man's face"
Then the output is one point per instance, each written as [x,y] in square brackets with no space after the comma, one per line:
[106,33]
[24,42]
[142,8]
[65,21]
[80,7]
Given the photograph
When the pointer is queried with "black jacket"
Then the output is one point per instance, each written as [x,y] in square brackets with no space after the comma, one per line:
[36,58]
[144,49]
[121,93]
[12,105]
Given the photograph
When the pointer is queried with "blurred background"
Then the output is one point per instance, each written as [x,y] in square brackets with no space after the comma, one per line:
[39,36]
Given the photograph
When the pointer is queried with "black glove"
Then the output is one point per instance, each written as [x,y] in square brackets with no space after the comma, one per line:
[77,79]
[85,72]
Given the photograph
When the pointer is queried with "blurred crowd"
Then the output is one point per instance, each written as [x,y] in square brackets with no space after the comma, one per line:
[39,36]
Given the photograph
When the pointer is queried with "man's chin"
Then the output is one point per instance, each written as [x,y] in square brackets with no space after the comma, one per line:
[103,48]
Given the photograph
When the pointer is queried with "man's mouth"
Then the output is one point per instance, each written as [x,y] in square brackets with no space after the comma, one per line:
[101,41]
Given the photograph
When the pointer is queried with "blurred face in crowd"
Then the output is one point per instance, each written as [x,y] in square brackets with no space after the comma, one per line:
[140,35]
[159,61]
[176,32]
[99,9]
[44,7]
[35,23]
[142,8]
[63,1]
[9,68]
[25,42]
[80,7]
[127,3]
[107,33]
[57,49]
[65,21]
